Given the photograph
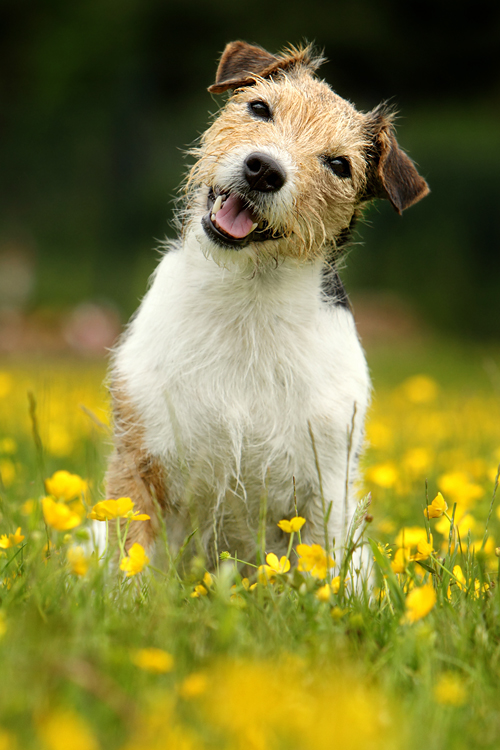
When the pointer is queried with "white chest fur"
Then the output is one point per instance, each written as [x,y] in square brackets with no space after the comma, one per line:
[226,369]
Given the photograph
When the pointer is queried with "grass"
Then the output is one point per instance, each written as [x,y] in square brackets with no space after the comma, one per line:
[91,658]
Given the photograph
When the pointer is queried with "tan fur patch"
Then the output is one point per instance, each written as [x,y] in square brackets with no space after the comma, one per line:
[132,472]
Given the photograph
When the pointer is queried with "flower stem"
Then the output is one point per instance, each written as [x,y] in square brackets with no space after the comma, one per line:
[237,560]
[434,559]
[126,531]
[388,595]
[119,539]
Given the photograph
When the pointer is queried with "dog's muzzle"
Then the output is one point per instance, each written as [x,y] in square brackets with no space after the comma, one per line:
[232,219]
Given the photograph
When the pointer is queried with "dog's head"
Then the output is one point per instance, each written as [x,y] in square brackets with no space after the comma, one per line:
[288,164]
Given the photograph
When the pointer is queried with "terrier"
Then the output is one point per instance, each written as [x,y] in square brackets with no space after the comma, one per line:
[241,381]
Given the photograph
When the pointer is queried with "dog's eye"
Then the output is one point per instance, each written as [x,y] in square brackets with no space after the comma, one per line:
[260,109]
[339,165]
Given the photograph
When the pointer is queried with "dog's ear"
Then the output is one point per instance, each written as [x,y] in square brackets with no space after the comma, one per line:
[241,63]
[392,174]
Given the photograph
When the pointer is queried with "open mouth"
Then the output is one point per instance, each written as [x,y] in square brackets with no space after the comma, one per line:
[231,221]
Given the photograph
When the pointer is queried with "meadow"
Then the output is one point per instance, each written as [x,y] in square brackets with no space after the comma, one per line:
[155,654]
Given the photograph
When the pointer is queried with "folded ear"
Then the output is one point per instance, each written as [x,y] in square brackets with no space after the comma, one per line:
[241,63]
[393,175]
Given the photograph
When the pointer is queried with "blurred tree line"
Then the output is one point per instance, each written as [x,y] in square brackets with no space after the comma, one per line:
[99,97]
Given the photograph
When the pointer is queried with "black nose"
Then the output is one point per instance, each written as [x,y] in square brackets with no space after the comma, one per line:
[263,173]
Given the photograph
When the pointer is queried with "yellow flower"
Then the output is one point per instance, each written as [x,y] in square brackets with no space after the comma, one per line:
[437,507]
[419,603]
[386,526]
[202,588]
[273,568]
[12,540]
[424,549]
[199,590]
[384,549]
[8,446]
[109,509]
[6,384]
[492,473]
[59,516]
[450,690]
[463,521]
[121,508]
[3,623]
[410,536]
[59,442]
[247,585]
[78,561]
[28,507]
[278,566]
[383,475]
[478,548]
[337,613]
[478,589]
[323,593]
[379,435]
[136,560]
[236,598]
[65,486]
[7,472]
[264,575]
[457,486]
[313,558]
[463,584]
[416,462]
[193,685]
[153,660]
[208,580]
[420,389]
[294,524]
[401,560]
[63,728]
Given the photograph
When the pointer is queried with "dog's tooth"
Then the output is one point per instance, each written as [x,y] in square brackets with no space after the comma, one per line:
[213,217]
[217,205]
[254,227]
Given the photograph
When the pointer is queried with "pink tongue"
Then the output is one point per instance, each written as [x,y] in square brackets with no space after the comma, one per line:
[234,219]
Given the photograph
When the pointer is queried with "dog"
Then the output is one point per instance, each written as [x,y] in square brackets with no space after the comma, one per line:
[241,383]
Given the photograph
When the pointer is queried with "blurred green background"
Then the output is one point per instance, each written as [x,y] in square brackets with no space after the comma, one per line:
[100,97]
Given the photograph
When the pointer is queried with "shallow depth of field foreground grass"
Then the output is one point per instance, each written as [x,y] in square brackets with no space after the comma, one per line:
[161,655]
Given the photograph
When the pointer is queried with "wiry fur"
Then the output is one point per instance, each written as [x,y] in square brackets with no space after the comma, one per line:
[235,353]
[309,118]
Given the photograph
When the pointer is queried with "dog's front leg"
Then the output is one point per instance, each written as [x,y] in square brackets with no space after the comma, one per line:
[134,473]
